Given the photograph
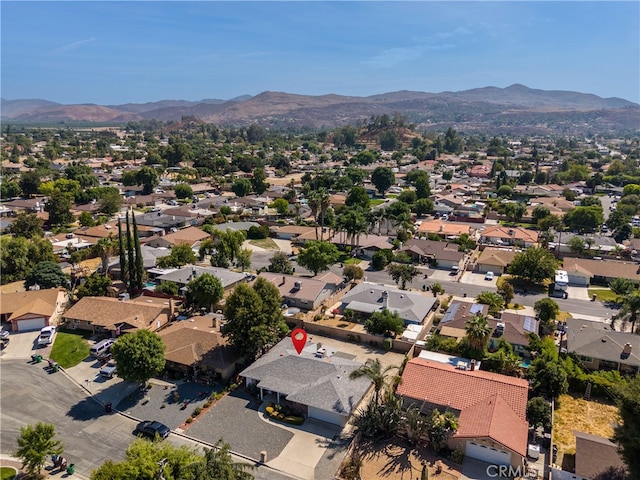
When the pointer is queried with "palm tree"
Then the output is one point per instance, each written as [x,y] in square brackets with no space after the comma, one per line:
[478,331]
[374,217]
[372,369]
[313,201]
[629,312]
[104,248]
[324,202]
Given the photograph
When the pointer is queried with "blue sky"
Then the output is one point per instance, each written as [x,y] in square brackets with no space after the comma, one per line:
[118,52]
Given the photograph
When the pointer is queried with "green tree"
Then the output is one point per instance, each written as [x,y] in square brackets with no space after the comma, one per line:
[547,311]
[280,263]
[148,178]
[181,254]
[59,208]
[318,255]
[627,433]
[505,290]
[622,286]
[423,189]
[46,275]
[94,286]
[383,178]
[138,261]
[584,219]
[535,264]
[124,268]
[629,312]
[384,323]
[104,248]
[183,190]
[514,211]
[358,196]
[35,443]
[373,370]
[168,288]
[139,355]
[241,187]
[85,219]
[258,181]
[493,299]
[254,317]
[10,189]
[352,272]
[281,206]
[423,206]
[539,212]
[243,259]
[218,465]
[576,245]
[18,254]
[539,413]
[441,427]
[110,202]
[402,273]
[204,291]
[381,259]
[549,377]
[27,225]
[30,182]
[226,246]
[478,331]
[505,191]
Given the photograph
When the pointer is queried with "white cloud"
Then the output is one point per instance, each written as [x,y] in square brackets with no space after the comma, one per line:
[73,46]
[393,56]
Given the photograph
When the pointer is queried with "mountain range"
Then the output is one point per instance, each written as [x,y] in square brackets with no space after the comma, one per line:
[514,109]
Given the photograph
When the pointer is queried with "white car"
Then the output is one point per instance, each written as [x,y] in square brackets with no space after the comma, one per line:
[109,370]
[489,276]
[46,337]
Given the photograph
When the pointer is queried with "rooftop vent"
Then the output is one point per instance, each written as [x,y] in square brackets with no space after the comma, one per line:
[297,285]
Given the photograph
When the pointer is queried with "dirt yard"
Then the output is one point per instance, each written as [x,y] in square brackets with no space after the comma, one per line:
[396,459]
[575,413]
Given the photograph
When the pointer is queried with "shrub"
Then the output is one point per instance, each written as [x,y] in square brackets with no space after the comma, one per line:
[387,344]
[189,420]
[196,411]
[457,456]
[207,404]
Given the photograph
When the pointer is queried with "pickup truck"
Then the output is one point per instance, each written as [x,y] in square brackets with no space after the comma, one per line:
[109,370]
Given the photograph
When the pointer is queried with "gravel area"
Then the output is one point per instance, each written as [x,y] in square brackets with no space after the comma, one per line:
[235,419]
[147,405]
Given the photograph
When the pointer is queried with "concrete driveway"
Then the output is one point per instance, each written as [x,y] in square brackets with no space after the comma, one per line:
[23,345]
[471,278]
[473,469]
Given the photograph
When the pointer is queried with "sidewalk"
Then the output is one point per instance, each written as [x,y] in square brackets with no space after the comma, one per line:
[9,461]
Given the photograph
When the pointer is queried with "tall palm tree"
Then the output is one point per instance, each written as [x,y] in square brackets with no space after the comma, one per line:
[313,201]
[104,248]
[374,217]
[324,202]
[629,312]
[478,331]
[372,369]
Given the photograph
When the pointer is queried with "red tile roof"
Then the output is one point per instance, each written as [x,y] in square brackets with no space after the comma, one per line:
[495,419]
[442,384]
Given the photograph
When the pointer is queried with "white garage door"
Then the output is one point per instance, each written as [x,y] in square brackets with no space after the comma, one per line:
[325,416]
[32,324]
[578,280]
[487,454]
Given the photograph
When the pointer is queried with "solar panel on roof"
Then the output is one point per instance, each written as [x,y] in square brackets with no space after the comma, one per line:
[476,308]
[529,324]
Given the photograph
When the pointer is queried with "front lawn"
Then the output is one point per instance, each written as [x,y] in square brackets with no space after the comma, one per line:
[7,473]
[265,243]
[602,294]
[70,348]
[576,413]
[375,202]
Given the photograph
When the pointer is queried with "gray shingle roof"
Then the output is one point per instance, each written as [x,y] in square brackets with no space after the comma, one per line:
[184,275]
[317,382]
[412,307]
[597,340]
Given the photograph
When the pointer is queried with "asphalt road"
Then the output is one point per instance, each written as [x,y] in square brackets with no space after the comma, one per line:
[90,437]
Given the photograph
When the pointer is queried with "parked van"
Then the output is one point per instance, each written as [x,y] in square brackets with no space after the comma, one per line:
[102,347]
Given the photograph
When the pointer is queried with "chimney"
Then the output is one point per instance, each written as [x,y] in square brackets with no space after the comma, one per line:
[626,350]
[441,228]
[214,322]
[172,308]
[473,365]
[297,285]
[284,280]
[385,299]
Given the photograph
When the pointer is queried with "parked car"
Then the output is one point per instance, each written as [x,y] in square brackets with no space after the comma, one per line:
[489,276]
[109,370]
[4,335]
[47,335]
[150,428]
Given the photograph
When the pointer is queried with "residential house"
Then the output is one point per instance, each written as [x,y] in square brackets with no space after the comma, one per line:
[496,260]
[195,347]
[161,221]
[315,382]
[437,254]
[299,292]
[491,408]
[601,348]
[446,230]
[368,298]
[191,236]
[33,309]
[183,275]
[453,323]
[584,271]
[512,236]
[235,226]
[370,244]
[598,244]
[31,205]
[515,329]
[114,316]
[292,232]
[595,455]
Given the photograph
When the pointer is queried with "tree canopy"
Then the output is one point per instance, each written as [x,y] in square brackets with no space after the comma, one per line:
[318,255]
[204,291]
[402,273]
[46,275]
[383,178]
[35,443]
[384,322]
[627,434]
[535,264]
[181,254]
[280,263]
[139,355]
[254,317]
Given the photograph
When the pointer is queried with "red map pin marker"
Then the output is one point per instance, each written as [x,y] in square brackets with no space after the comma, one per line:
[299,339]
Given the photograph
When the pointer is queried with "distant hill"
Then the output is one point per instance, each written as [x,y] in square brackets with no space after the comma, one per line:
[515,109]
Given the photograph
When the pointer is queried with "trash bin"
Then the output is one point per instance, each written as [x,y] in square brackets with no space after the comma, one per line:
[71,469]
[107,407]
[55,366]
[38,358]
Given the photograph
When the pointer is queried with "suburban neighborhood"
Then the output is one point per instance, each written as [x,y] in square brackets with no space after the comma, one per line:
[469,307]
